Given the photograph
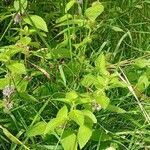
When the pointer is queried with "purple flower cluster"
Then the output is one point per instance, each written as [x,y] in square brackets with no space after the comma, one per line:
[7,91]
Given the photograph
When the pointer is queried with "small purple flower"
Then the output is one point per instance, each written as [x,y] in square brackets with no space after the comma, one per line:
[7,91]
[17,18]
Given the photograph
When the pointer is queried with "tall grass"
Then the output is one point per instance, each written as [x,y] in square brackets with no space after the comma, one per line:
[56,63]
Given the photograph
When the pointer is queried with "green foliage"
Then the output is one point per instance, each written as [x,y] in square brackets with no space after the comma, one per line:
[74,75]
[69,141]
[37,22]
[84,135]
[93,12]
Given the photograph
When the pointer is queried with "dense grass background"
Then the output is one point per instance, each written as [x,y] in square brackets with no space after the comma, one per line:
[122,33]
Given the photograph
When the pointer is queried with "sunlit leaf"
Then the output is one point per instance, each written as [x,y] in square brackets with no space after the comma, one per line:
[90,115]
[84,134]
[17,68]
[63,112]
[69,5]
[37,129]
[20,5]
[93,12]
[36,21]
[100,64]
[69,140]
[77,116]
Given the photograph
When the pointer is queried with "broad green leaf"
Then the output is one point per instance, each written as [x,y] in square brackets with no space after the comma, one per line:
[90,115]
[84,135]
[4,57]
[69,140]
[58,53]
[93,12]
[27,97]
[102,82]
[63,112]
[115,82]
[69,5]
[102,99]
[143,83]
[64,18]
[9,51]
[37,129]
[3,83]
[100,64]
[36,21]
[142,63]
[20,5]
[88,80]
[72,95]
[17,68]
[54,123]
[83,43]
[24,41]
[77,116]
[100,134]
[22,85]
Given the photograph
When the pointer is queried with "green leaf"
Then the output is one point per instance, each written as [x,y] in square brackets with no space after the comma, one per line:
[4,57]
[64,18]
[27,97]
[84,135]
[100,64]
[37,129]
[22,85]
[90,115]
[72,95]
[116,109]
[88,80]
[93,12]
[77,116]
[17,68]
[11,50]
[36,21]
[117,29]
[102,99]
[54,123]
[143,83]
[3,83]
[142,63]
[83,43]
[69,5]
[24,41]
[115,82]
[63,112]
[102,82]
[100,134]
[69,140]
[20,5]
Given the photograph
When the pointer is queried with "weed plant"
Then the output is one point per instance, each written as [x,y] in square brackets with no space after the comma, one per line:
[74,74]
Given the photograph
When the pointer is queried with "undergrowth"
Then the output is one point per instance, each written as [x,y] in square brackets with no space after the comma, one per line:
[74,75]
